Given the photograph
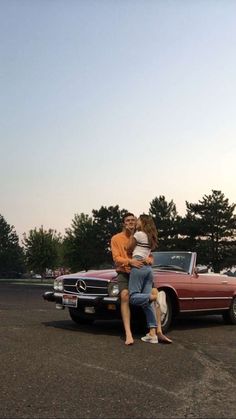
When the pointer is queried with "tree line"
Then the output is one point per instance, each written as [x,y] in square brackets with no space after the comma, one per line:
[208,228]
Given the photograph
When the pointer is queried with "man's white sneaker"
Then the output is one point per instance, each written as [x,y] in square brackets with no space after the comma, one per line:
[149,339]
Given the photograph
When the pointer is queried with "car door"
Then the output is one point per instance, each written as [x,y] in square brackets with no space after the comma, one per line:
[211,291]
[181,284]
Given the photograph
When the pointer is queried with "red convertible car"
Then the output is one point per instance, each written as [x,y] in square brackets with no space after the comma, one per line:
[93,295]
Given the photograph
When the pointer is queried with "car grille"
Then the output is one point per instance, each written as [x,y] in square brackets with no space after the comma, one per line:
[93,286]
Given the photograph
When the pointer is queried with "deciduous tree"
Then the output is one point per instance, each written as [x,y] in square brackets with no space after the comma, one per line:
[87,241]
[79,244]
[42,249]
[107,222]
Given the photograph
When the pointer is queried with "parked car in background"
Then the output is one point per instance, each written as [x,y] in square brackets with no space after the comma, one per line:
[36,276]
[230,272]
[93,295]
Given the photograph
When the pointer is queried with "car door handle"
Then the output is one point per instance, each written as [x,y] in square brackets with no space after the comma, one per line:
[224,282]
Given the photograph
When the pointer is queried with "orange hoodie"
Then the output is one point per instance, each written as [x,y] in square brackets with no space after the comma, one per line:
[119,244]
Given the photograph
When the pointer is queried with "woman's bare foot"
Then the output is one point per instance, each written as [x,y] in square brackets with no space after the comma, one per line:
[129,341]
[162,338]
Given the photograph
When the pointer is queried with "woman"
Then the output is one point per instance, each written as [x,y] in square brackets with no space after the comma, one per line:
[141,292]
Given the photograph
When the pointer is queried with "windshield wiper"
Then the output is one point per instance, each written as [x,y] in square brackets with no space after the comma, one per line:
[170,267]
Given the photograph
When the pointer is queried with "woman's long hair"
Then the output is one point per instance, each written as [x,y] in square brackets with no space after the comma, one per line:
[148,226]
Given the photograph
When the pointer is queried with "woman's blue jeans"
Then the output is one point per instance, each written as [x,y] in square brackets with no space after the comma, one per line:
[140,288]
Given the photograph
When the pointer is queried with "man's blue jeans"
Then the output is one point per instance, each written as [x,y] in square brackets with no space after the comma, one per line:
[140,288]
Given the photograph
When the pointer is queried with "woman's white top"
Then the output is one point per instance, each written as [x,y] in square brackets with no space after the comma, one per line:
[142,247]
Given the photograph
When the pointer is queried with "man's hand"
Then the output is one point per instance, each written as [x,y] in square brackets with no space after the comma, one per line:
[130,230]
[136,263]
[149,260]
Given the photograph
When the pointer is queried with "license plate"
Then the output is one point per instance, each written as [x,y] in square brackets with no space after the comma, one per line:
[69,300]
[89,310]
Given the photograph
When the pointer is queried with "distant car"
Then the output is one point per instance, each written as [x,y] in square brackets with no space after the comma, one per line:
[93,295]
[230,273]
[36,276]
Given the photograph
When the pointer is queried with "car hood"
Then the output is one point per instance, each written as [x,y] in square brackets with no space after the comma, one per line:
[110,274]
[107,274]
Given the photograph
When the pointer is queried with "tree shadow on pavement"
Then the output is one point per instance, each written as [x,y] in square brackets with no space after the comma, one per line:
[112,327]
[115,327]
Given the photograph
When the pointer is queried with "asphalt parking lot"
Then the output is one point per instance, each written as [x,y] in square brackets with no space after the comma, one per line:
[51,368]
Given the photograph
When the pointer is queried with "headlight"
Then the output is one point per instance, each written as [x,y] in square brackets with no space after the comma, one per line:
[113,290]
[58,284]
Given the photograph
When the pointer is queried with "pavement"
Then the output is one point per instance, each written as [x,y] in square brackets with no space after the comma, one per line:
[52,368]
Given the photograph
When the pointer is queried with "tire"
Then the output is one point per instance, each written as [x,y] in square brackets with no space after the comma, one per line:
[230,316]
[167,318]
[75,316]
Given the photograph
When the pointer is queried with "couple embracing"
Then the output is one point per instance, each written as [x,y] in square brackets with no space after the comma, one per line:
[131,252]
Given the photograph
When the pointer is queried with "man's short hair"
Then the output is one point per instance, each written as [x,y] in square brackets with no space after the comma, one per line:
[127,214]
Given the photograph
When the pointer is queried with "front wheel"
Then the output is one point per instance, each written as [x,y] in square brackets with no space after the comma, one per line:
[78,319]
[230,315]
[166,310]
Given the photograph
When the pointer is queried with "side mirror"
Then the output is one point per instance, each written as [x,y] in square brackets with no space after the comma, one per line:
[200,269]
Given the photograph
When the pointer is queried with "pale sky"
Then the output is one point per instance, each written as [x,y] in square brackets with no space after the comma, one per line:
[110,102]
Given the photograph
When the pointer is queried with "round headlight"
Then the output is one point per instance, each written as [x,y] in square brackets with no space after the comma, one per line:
[58,284]
[113,290]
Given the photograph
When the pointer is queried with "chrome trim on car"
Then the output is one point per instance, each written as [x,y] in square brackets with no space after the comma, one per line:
[87,297]
[212,298]
[192,262]
[185,299]
[111,299]
[205,309]
[204,298]
[57,294]
[79,294]
[80,285]
[87,286]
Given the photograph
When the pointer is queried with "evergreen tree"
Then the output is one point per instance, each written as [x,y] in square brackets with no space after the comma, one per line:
[212,224]
[166,220]
[11,253]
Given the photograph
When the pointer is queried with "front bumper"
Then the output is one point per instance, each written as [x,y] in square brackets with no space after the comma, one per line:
[94,306]
[57,297]
[100,307]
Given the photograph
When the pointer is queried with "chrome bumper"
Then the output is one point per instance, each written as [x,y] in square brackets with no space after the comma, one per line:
[57,298]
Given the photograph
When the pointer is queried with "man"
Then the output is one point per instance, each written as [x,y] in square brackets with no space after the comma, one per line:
[123,264]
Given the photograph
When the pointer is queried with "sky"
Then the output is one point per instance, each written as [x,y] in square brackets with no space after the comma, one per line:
[114,102]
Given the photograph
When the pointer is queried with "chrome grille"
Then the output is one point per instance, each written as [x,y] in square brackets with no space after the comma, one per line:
[93,286]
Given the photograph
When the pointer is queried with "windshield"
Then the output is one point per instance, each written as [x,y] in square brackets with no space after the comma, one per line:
[177,261]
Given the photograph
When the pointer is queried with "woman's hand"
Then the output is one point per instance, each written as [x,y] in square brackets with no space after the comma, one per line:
[136,263]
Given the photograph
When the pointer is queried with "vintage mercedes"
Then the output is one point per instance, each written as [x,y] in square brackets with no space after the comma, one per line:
[189,289]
